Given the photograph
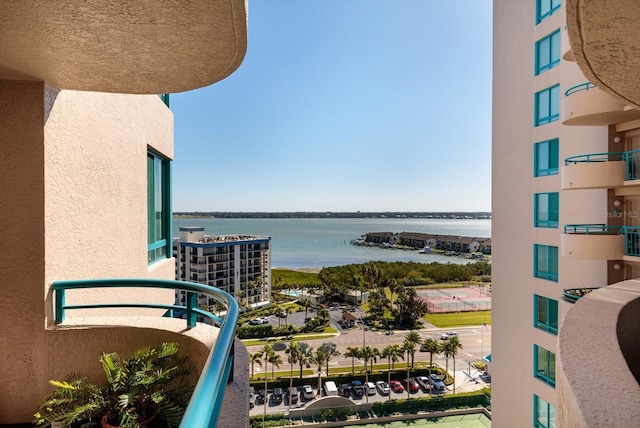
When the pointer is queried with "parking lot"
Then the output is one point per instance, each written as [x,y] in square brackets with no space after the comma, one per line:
[282,407]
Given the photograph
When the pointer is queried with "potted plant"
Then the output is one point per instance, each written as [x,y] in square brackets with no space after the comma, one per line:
[147,389]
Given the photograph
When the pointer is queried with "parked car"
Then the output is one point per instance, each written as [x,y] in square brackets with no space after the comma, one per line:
[370,388]
[423,381]
[344,390]
[252,397]
[262,397]
[357,389]
[330,388]
[436,382]
[293,395]
[277,396]
[259,320]
[307,392]
[281,314]
[396,386]
[411,384]
[382,387]
[448,335]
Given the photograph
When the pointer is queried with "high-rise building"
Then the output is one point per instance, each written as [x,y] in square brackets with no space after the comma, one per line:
[237,264]
[566,213]
[86,147]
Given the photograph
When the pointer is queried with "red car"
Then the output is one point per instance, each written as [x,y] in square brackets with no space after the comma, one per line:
[411,384]
[396,386]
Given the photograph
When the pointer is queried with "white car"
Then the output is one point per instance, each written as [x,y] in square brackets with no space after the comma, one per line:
[383,387]
[448,335]
[307,392]
[370,388]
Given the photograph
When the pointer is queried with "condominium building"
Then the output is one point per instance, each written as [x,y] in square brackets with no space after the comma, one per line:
[237,264]
[566,214]
[86,147]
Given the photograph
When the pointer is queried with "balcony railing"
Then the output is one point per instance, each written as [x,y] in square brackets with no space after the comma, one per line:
[578,88]
[632,160]
[572,295]
[591,229]
[595,157]
[204,408]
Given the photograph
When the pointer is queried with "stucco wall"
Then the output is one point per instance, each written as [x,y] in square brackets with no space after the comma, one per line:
[22,231]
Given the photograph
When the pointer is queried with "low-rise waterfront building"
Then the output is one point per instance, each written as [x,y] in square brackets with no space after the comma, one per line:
[237,264]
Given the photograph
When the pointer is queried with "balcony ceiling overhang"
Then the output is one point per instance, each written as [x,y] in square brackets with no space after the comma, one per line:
[136,47]
[605,41]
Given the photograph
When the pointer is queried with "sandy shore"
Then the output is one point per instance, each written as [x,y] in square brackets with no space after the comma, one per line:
[307,270]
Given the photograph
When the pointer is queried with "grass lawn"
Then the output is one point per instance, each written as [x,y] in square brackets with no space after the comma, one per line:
[291,277]
[459,319]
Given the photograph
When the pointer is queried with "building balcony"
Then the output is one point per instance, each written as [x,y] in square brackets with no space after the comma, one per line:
[572,295]
[598,357]
[592,241]
[141,47]
[593,171]
[586,105]
[77,340]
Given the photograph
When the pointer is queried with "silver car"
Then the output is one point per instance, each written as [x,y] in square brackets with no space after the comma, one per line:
[436,382]
[383,387]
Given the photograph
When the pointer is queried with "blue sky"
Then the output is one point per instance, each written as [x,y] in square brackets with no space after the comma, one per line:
[344,105]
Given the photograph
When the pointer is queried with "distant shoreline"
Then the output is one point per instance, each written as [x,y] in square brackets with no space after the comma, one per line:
[453,215]
[305,269]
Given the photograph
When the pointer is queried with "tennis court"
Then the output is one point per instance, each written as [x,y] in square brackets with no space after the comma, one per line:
[465,299]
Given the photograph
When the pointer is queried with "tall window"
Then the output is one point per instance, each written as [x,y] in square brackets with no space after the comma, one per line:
[547,105]
[545,207]
[544,414]
[158,207]
[548,52]
[546,8]
[545,158]
[545,262]
[544,365]
[545,313]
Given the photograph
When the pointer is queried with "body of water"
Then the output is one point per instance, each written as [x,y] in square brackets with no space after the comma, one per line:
[316,243]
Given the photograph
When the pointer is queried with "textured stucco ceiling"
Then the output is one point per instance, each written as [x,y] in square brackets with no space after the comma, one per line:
[605,41]
[138,47]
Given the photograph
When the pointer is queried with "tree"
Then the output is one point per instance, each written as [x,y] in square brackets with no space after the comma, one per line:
[275,359]
[267,351]
[330,350]
[408,347]
[352,353]
[287,312]
[293,352]
[304,357]
[447,349]
[367,353]
[410,307]
[454,347]
[391,353]
[432,347]
[322,314]
[413,339]
[255,358]
[319,358]
[306,302]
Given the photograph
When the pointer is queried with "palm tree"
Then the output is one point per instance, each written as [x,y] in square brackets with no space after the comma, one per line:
[352,353]
[391,353]
[431,346]
[446,350]
[413,337]
[330,350]
[267,351]
[304,357]
[275,359]
[409,348]
[323,314]
[255,358]
[293,351]
[287,312]
[319,358]
[455,346]
[306,302]
[367,353]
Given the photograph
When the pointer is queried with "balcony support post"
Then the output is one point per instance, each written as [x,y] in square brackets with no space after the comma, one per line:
[60,301]
[192,303]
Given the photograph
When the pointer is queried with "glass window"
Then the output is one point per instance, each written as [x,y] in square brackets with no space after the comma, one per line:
[544,414]
[547,52]
[544,363]
[158,207]
[545,262]
[545,313]
[545,158]
[545,206]
[546,8]
[547,105]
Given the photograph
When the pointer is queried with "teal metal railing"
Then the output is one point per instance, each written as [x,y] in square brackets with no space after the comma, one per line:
[594,157]
[165,99]
[593,229]
[632,160]
[578,88]
[205,405]
[572,295]
[631,238]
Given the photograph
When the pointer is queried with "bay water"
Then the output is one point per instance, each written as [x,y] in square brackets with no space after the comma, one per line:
[316,242]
